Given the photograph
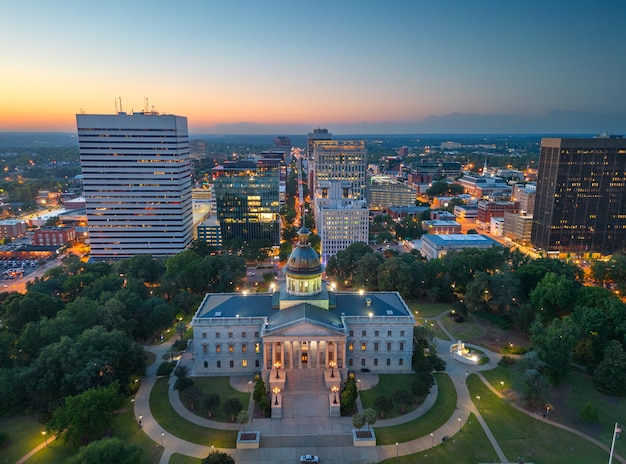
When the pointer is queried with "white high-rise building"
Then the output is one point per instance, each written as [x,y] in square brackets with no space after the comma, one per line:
[341,220]
[137,179]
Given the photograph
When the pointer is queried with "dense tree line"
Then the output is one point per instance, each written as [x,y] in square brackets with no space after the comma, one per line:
[78,328]
[544,298]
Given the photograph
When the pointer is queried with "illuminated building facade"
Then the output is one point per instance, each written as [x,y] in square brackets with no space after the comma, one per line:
[580,206]
[247,199]
[137,180]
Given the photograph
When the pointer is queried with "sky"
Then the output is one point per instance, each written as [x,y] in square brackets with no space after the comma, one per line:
[273,66]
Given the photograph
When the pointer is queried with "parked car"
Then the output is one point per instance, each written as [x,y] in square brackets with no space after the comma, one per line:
[309,458]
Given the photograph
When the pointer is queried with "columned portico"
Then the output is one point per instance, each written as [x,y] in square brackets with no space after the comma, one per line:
[304,353]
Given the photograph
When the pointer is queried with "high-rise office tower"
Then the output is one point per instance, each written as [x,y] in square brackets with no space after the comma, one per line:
[342,160]
[137,179]
[247,199]
[580,206]
[341,220]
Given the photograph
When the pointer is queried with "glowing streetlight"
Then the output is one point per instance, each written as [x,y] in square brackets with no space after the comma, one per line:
[277,366]
[478,401]
[140,417]
[459,419]
[547,411]
[332,365]
[501,386]
[396,451]
[335,389]
[45,435]
[162,435]
[276,392]
[432,440]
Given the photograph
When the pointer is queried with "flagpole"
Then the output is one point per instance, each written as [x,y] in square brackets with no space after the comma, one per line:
[613,442]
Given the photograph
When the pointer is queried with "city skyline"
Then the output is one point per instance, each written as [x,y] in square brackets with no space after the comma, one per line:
[286,67]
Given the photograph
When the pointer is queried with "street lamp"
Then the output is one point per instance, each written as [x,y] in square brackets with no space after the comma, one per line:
[459,419]
[276,392]
[547,411]
[358,383]
[332,365]
[249,386]
[396,451]
[432,440]
[478,400]
[501,386]
[140,417]
[162,435]
[45,435]
[277,366]
[335,389]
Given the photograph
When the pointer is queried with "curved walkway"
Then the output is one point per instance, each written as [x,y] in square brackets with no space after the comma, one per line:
[284,448]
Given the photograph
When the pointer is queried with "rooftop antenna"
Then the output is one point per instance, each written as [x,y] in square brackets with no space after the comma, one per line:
[115,105]
[147,107]
[121,110]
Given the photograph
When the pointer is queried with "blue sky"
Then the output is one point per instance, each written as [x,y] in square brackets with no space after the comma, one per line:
[294,64]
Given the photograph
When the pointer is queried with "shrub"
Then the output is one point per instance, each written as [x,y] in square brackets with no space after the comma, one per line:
[506,361]
[589,413]
[165,368]
[483,360]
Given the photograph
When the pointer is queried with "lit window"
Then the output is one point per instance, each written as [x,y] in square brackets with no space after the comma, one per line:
[363,346]
[350,346]
[231,348]
[218,348]
[244,363]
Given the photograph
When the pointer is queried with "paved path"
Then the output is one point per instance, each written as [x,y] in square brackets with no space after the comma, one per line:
[35,450]
[283,440]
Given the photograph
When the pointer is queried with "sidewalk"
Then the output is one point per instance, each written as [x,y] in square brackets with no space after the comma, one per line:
[330,438]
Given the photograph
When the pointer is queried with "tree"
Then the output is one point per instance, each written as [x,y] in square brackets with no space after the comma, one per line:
[243,418]
[107,450]
[358,421]
[529,377]
[211,402]
[554,345]
[553,296]
[232,407]
[87,416]
[218,457]
[182,378]
[403,398]
[383,404]
[370,417]
[181,328]
[191,395]
[610,375]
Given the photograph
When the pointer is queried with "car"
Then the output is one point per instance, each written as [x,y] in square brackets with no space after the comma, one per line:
[309,458]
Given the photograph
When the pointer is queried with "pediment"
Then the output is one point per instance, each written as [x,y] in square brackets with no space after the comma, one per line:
[306,330]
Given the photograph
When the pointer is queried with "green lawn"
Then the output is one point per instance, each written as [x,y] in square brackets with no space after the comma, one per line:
[167,418]
[467,447]
[610,409]
[387,385]
[427,310]
[181,459]
[435,330]
[465,331]
[124,427]
[25,433]
[580,392]
[520,435]
[221,386]
[429,421]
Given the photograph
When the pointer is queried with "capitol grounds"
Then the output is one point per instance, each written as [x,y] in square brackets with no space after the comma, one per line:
[519,434]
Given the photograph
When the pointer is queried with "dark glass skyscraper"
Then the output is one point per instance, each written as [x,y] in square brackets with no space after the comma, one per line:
[247,199]
[580,205]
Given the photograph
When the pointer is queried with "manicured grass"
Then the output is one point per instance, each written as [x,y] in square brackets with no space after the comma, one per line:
[610,409]
[427,310]
[500,374]
[181,459]
[24,434]
[434,329]
[429,421]
[221,386]
[124,427]
[169,419]
[520,435]
[467,447]
[466,331]
[387,385]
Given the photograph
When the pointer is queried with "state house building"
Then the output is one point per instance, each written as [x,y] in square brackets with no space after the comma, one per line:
[302,324]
